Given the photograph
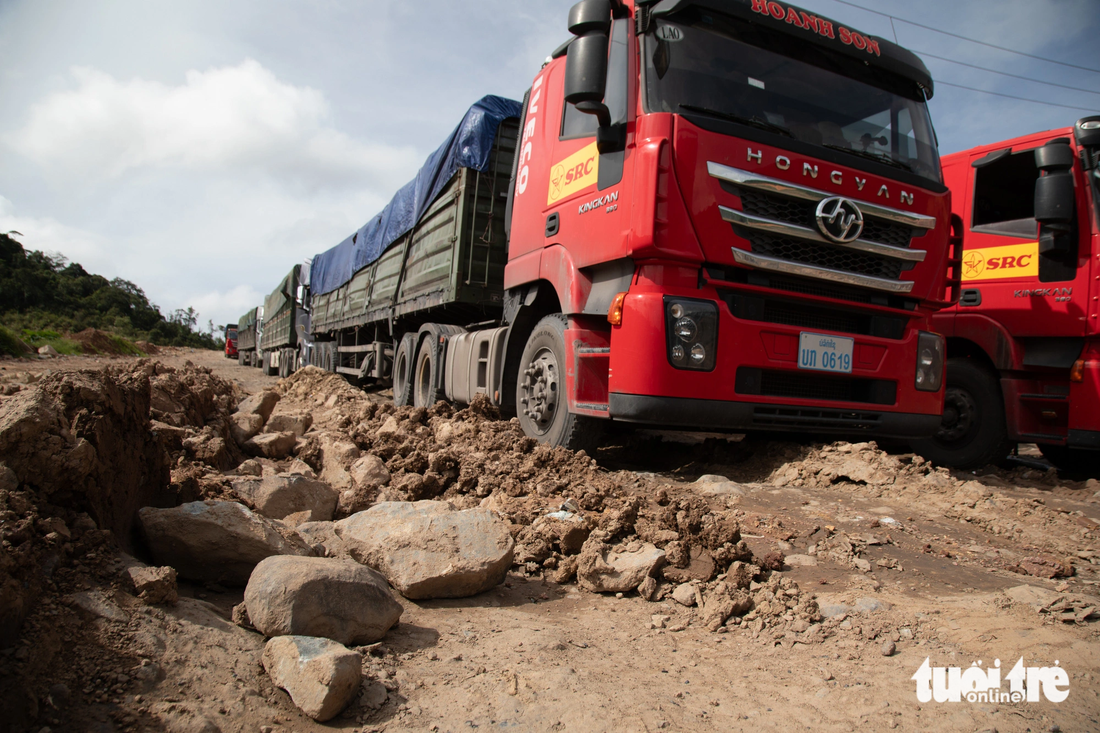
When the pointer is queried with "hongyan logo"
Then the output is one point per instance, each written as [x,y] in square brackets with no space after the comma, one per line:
[1001,263]
[975,684]
[579,171]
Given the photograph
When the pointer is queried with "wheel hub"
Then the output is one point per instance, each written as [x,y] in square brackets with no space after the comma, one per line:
[960,414]
[539,398]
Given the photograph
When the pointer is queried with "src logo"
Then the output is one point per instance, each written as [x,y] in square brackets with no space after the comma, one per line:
[557,179]
[974,264]
[839,219]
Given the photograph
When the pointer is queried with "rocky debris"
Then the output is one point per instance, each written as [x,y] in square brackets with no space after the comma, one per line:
[603,569]
[320,675]
[650,589]
[275,446]
[284,494]
[48,350]
[561,532]
[313,596]
[220,541]
[801,561]
[368,475]
[288,423]
[322,537]
[1044,567]
[713,485]
[261,404]
[154,585]
[428,549]
[888,648]
[700,566]
[97,603]
[8,479]
[717,608]
[1066,607]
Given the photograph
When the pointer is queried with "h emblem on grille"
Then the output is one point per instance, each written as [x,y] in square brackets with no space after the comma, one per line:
[839,219]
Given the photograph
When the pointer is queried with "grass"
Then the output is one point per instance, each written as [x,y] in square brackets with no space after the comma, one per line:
[38,339]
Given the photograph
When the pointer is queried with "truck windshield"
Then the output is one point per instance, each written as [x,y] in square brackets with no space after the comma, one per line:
[709,65]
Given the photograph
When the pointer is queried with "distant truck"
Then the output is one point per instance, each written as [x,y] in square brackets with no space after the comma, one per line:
[248,337]
[279,336]
[231,341]
[646,241]
[1023,343]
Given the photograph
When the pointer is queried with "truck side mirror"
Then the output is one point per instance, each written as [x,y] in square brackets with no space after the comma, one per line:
[586,60]
[1054,196]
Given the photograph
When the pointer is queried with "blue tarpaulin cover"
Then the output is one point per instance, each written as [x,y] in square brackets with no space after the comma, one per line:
[467,147]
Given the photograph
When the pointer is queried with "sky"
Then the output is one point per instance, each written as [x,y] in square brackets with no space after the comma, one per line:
[200,149]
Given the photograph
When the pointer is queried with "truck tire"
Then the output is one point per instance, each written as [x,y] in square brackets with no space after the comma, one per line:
[973,432]
[269,371]
[425,376]
[403,360]
[541,403]
[240,358]
[1071,462]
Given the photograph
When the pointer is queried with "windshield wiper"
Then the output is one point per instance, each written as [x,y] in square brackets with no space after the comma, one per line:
[877,157]
[751,121]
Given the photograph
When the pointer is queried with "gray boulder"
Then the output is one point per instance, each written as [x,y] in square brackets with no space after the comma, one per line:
[154,585]
[317,596]
[279,496]
[243,426]
[218,541]
[322,537]
[284,423]
[320,675]
[427,549]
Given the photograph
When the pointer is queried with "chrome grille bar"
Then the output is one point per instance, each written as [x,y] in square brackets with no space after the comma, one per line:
[744,178]
[793,230]
[788,267]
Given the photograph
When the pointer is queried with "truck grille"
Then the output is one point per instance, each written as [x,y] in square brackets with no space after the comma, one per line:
[801,418]
[814,316]
[778,219]
[824,255]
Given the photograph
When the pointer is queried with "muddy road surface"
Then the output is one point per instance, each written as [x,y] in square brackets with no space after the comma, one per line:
[664,583]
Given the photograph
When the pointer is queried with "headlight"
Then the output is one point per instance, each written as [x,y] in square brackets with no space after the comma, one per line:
[930,361]
[691,332]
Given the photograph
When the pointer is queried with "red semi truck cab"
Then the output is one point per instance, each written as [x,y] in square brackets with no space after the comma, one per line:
[731,216]
[1023,343]
[231,341]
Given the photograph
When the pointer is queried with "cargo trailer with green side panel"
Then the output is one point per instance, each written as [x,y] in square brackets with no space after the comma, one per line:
[279,338]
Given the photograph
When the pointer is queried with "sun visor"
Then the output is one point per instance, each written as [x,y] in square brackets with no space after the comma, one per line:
[815,29]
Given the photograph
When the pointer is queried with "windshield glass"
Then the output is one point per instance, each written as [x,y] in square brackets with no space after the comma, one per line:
[705,64]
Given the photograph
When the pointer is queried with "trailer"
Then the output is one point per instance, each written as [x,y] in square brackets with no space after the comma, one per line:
[279,337]
[248,330]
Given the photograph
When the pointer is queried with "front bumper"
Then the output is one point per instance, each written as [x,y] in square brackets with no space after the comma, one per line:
[701,414]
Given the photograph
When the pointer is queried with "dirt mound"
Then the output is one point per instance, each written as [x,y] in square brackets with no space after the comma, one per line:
[94,341]
[147,348]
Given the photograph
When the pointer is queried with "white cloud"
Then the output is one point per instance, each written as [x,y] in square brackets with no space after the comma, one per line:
[49,235]
[232,119]
[218,305]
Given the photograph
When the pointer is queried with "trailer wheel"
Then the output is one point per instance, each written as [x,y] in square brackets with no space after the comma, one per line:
[541,402]
[425,377]
[1071,462]
[972,433]
[403,360]
[240,358]
[269,370]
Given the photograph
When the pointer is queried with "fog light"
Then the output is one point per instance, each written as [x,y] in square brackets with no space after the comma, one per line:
[678,352]
[698,354]
[686,329]
[930,362]
[676,310]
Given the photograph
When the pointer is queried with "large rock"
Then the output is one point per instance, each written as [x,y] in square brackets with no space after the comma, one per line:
[337,456]
[219,541]
[154,585]
[243,426]
[322,537]
[321,675]
[282,495]
[617,570]
[271,445]
[297,424]
[259,404]
[427,549]
[319,596]
[369,470]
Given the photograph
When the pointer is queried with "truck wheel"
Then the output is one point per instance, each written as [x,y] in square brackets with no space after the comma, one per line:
[1071,462]
[269,370]
[240,358]
[541,401]
[972,433]
[425,376]
[403,360]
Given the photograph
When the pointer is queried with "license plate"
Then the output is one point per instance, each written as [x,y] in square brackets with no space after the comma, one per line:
[823,353]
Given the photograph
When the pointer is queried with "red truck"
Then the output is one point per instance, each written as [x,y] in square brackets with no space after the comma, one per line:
[723,215]
[231,341]
[1023,343]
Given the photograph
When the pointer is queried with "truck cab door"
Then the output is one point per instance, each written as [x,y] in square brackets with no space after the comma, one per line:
[1004,275]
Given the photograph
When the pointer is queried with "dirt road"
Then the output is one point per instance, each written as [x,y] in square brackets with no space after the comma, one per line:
[906,563]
